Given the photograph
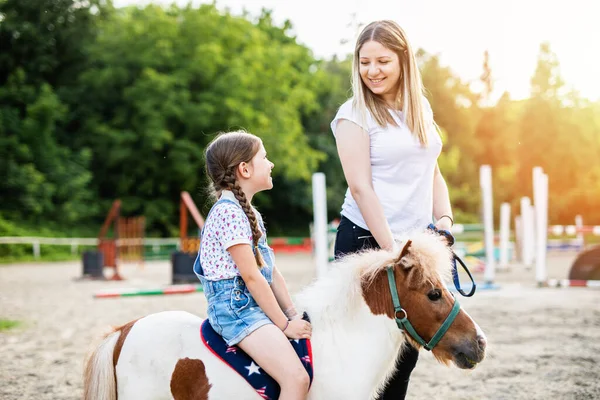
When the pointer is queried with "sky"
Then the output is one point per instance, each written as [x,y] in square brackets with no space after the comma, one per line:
[459,31]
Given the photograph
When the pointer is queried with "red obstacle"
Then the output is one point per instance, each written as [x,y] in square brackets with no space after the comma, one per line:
[189,244]
[127,242]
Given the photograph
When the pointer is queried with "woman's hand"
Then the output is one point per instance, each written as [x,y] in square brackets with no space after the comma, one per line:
[298,329]
[444,224]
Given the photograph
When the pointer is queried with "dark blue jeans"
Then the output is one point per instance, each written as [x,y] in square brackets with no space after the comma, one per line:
[349,239]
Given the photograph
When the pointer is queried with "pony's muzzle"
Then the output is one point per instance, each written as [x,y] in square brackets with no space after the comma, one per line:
[481,342]
[469,353]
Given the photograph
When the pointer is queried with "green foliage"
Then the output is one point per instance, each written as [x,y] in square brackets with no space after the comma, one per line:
[163,82]
[42,177]
[452,101]
[98,103]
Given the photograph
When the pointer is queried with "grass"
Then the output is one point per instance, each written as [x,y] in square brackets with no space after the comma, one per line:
[6,324]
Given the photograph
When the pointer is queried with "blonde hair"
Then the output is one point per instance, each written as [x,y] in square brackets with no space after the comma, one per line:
[223,155]
[410,87]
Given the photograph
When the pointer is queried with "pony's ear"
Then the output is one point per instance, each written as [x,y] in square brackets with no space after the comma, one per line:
[402,260]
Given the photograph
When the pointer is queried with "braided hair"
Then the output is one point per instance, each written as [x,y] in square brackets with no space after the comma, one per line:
[223,155]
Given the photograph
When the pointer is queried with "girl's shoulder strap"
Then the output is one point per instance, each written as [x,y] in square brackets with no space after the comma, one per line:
[217,203]
[261,223]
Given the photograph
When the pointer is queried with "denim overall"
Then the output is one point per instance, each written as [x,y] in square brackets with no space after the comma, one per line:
[232,311]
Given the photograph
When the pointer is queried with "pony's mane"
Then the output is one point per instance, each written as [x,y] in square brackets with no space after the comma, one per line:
[340,288]
[427,251]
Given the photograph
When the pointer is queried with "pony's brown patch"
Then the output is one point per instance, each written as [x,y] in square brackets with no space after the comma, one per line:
[119,345]
[377,295]
[376,288]
[418,271]
[189,380]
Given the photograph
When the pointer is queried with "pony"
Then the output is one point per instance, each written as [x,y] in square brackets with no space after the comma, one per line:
[362,310]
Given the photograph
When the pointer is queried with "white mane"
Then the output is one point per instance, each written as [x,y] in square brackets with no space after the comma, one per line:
[338,292]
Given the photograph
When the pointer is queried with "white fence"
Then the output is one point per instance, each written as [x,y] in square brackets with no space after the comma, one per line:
[35,242]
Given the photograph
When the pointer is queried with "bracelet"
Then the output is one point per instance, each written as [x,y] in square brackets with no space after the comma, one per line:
[287,323]
[447,216]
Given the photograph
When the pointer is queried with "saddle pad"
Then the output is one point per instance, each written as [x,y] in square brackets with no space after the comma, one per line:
[266,387]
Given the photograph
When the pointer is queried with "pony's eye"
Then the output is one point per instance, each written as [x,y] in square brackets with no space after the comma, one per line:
[434,295]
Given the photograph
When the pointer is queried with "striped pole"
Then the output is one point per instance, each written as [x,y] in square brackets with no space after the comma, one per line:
[173,289]
[571,283]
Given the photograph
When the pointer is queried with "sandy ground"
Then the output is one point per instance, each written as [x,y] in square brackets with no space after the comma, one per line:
[543,343]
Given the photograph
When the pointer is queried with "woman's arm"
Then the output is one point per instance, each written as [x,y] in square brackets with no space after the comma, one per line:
[353,146]
[257,284]
[282,294]
[442,210]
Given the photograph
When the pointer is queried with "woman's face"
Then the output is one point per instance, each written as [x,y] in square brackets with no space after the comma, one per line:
[379,70]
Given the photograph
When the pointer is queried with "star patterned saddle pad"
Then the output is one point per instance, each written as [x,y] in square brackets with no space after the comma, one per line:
[266,387]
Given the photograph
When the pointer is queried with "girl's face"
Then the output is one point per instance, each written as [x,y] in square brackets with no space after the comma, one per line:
[260,171]
[379,70]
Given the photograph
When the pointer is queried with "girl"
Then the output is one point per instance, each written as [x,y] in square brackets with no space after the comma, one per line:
[248,302]
[388,146]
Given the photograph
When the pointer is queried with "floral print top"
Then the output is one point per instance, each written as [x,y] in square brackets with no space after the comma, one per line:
[226,226]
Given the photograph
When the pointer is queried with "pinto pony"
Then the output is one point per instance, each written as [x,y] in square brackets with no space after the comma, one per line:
[362,311]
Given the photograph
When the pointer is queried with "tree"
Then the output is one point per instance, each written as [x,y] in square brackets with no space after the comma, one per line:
[165,81]
[452,101]
[559,132]
[41,179]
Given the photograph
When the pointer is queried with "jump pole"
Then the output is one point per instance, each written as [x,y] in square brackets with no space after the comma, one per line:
[571,283]
[130,292]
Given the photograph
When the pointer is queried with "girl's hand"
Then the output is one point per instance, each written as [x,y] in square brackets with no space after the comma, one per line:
[291,313]
[298,329]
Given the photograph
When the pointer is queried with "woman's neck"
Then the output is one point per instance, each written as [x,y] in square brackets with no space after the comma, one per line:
[392,101]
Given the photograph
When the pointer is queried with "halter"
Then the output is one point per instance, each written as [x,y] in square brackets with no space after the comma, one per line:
[406,326]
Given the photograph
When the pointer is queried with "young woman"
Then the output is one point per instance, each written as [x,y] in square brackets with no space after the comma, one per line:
[388,145]
[248,301]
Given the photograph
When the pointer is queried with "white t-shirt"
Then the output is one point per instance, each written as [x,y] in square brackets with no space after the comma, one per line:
[402,170]
[226,226]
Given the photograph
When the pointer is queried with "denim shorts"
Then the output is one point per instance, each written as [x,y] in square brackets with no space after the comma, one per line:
[232,311]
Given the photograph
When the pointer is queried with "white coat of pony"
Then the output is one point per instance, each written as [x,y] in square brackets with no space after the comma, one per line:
[354,351]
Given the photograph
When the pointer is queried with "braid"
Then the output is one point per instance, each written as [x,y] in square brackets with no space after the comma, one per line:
[230,181]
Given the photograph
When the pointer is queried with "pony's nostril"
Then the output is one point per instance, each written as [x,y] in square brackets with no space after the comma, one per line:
[481,342]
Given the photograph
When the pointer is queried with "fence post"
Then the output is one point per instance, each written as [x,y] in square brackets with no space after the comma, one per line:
[485,180]
[36,249]
[320,222]
[504,234]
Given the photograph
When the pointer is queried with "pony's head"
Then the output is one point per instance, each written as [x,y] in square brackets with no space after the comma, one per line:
[427,306]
